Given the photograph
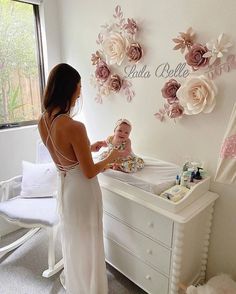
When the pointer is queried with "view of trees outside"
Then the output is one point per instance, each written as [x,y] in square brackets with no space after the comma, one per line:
[19,77]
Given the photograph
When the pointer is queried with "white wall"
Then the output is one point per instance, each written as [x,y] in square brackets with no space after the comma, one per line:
[198,137]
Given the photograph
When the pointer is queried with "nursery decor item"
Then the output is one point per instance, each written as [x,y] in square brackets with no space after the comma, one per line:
[226,168]
[221,284]
[197,92]
[118,45]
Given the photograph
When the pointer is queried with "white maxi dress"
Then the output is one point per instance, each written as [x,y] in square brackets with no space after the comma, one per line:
[80,210]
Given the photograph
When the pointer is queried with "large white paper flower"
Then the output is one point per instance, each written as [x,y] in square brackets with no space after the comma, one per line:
[197,95]
[114,47]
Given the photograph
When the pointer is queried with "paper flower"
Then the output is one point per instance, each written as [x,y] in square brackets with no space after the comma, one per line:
[135,52]
[217,48]
[196,56]
[170,88]
[102,71]
[184,40]
[95,58]
[118,45]
[175,110]
[115,47]
[115,83]
[197,95]
[172,108]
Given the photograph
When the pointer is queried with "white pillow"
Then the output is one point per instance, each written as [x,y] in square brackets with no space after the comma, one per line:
[38,179]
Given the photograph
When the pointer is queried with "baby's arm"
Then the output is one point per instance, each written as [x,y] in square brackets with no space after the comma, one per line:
[98,145]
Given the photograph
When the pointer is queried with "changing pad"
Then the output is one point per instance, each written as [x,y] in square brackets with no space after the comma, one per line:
[156,176]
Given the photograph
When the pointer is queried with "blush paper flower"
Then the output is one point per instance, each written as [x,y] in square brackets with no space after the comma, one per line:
[135,52]
[115,83]
[184,40]
[95,58]
[175,110]
[102,71]
[170,88]
[197,95]
[196,56]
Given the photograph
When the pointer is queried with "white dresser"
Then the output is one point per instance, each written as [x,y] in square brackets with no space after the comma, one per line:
[156,248]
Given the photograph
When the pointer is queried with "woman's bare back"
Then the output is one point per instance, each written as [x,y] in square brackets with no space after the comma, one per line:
[56,135]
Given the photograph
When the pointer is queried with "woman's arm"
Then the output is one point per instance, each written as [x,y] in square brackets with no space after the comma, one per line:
[80,143]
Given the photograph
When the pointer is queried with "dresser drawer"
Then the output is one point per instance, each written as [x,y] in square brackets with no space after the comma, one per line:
[135,215]
[140,245]
[145,277]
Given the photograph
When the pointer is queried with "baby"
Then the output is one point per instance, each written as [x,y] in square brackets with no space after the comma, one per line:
[120,140]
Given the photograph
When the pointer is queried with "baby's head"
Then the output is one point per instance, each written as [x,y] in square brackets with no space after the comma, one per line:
[122,129]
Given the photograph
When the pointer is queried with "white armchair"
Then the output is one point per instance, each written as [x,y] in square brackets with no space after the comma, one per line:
[34,213]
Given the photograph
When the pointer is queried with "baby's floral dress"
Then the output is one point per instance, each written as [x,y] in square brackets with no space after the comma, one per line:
[130,164]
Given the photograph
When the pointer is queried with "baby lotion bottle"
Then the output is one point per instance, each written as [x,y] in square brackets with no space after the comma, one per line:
[184,179]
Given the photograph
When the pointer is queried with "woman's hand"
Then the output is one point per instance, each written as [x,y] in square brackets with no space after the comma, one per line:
[98,145]
[115,154]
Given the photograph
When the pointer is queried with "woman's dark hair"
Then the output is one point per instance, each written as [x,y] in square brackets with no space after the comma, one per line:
[61,85]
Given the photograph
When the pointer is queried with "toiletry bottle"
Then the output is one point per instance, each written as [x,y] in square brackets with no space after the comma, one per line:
[184,179]
[177,180]
[197,174]
[192,176]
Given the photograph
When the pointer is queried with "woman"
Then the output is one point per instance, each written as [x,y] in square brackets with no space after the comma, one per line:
[79,195]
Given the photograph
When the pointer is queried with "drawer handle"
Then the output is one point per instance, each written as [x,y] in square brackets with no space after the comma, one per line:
[148,277]
[150,224]
[149,251]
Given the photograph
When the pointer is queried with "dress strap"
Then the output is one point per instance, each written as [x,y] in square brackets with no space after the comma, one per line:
[61,167]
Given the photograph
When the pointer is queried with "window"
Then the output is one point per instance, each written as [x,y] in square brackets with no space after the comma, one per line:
[21,63]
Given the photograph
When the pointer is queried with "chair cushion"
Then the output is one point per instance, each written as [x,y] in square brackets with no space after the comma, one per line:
[32,212]
[38,179]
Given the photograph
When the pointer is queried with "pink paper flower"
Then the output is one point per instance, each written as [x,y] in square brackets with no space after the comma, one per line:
[195,57]
[115,83]
[175,110]
[184,40]
[102,71]
[135,52]
[169,90]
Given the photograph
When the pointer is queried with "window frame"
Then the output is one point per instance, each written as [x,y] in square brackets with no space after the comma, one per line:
[40,58]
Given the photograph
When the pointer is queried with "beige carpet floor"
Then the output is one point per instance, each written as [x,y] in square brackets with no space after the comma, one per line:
[21,270]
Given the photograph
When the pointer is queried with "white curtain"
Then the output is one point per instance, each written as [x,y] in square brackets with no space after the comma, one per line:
[226,169]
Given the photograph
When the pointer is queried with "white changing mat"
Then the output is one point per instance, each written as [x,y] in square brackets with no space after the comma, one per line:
[156,176]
